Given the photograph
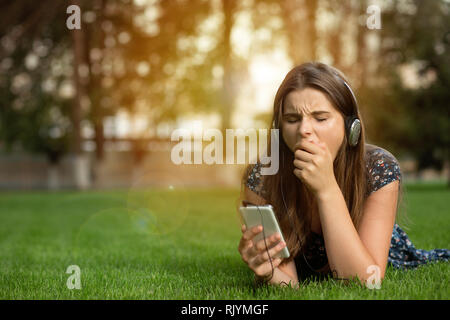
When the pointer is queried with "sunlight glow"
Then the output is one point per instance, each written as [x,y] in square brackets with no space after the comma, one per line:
[267,71]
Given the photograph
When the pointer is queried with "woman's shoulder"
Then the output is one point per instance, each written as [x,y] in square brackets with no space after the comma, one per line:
[382,167]
[253,178]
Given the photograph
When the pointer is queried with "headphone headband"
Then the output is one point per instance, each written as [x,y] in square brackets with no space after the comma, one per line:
[351,92]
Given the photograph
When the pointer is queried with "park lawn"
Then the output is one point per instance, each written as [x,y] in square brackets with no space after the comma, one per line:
[109,235]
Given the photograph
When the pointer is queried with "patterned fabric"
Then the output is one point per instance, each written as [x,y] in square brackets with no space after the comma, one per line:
[382,168]
[313,263]
[403,254]
[255,180]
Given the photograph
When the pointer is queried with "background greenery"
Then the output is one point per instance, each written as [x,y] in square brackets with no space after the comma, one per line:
[147,56]
[122,257]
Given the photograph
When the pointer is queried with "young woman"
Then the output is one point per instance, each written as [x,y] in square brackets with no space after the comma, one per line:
[335,196]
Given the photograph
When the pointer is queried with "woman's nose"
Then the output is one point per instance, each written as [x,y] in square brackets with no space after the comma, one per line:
[305,128]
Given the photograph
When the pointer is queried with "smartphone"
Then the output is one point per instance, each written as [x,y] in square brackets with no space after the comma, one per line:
[263,215]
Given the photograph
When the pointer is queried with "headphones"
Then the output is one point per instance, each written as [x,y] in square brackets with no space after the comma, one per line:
[352,123]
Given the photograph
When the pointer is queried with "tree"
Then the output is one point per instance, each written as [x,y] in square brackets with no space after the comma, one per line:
[415,37]
[33,116]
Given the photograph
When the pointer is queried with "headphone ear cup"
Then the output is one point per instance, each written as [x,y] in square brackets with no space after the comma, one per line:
[353,128]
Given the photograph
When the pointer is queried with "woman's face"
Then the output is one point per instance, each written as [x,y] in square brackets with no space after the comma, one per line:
[308,114]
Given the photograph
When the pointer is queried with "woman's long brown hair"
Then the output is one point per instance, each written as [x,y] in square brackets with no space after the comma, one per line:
[349,164]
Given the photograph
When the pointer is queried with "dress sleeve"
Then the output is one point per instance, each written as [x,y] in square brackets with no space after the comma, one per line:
[382,168]
[254,180]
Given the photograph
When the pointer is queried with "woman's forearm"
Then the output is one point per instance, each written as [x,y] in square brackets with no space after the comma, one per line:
[345,250]
[280,278]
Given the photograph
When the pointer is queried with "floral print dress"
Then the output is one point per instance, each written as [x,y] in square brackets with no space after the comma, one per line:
[382,168]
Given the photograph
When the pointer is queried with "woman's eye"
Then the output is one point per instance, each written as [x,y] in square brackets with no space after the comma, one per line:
[296,120]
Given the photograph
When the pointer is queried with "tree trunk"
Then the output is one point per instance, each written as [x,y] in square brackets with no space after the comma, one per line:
[361,60]
[53,176]
[311,7]
[300,25]
[95,91]
[228,7]
[81,174]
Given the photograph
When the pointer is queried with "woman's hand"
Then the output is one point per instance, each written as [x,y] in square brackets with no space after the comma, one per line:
[314,166]
[255,255]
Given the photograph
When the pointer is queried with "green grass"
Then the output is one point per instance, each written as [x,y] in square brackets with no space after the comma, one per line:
[110,236]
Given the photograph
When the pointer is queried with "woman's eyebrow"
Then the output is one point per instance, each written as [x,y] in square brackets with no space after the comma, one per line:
[313,113]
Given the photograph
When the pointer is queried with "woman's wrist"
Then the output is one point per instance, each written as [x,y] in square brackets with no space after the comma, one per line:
[263,279]
[327,194]
[278,278]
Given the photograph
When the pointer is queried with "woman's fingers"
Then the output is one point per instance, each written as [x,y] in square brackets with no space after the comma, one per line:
[299,164]
[270,241]
[254,249]
[255,255]
[303,155]
[250,251]
[247,236]
[263,257]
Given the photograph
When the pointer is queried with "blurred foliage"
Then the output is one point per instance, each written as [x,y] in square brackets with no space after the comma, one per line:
[414,118]
[167,59]
[29,113]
